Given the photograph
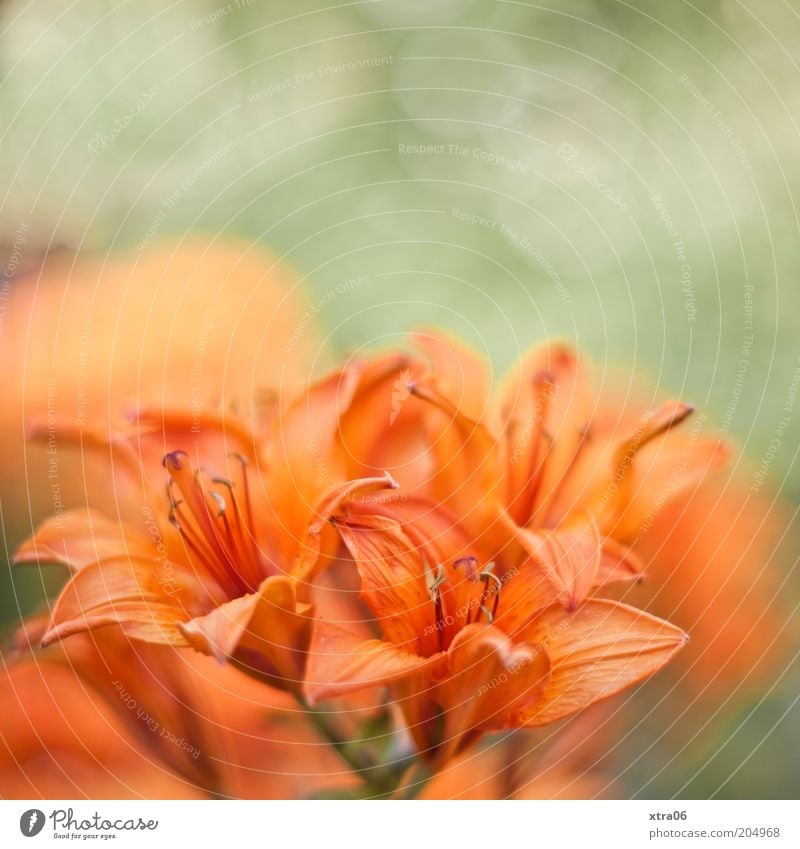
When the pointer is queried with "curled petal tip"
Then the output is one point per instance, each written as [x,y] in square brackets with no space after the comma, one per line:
[563,352]
[544,376]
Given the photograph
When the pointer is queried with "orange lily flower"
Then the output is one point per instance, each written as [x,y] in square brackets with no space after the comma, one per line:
[185,324]
[100,716]
[220,556]
[547,473]
[59,740]
[468,650]
[489,622]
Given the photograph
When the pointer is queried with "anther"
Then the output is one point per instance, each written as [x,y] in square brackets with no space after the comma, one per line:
[469,564]
[439,578]
[174,460]
[487,576]
[220,501]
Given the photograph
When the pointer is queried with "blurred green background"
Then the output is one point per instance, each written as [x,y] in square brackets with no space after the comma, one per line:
[624,175]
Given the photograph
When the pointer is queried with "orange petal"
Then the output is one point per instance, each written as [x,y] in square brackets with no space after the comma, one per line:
[211,434]
[382,428]
[147,602]
[179,323]
[392,580]
[568,556]
[526,590]
[442,544]
[218,633]
[308,557]
[108,468]
[718,559]
[263,626]
[490,680]
[467,472]
[340,662]
[664,473]
[563,413]
[459,372]
[617,563]
[647,472]
[302,458]
[602,648]
[78,538]
[60,739]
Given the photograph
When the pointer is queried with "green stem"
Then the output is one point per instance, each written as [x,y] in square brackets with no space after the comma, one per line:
[377,782]
[418,777]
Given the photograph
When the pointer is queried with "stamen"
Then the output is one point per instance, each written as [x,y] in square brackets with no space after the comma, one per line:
[220,502]
[243,540]
[498,585]
[436,578]
[439,578]
[205,554]
[487,576]
[218,543]
[248,506]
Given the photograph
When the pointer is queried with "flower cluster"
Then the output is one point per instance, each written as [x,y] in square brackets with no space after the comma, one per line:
[398,559]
